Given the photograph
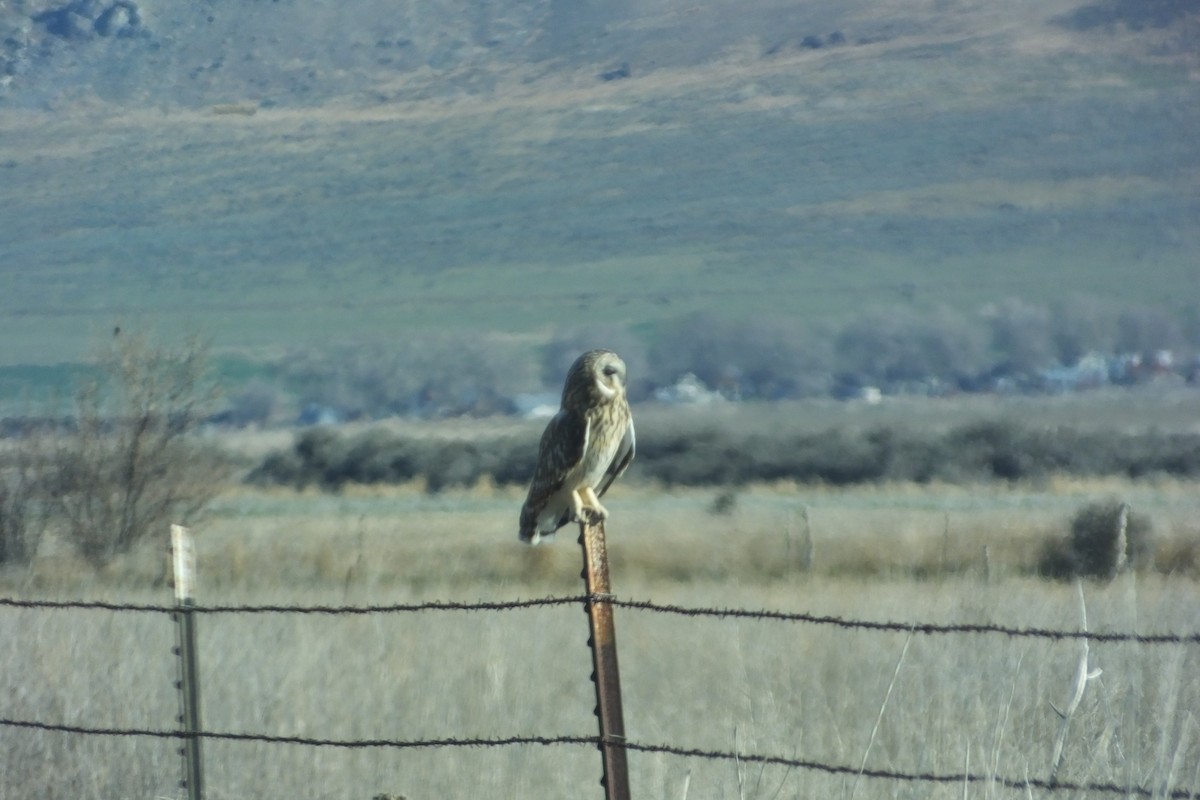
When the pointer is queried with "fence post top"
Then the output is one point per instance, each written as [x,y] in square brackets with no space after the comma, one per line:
[183,556]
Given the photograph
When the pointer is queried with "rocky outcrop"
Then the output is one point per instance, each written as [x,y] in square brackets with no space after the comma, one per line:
[85,19]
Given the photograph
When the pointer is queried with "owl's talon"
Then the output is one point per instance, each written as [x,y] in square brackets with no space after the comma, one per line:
[594,514]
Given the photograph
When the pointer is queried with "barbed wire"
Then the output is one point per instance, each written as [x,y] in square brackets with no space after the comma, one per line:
[394,608]
[907,627]
[637,605]
[922,777]
[303,740]
[665,749]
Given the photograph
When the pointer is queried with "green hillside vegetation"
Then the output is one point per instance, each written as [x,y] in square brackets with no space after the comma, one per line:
[1030,158]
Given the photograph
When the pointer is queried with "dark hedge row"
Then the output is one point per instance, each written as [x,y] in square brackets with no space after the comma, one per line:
[711,456]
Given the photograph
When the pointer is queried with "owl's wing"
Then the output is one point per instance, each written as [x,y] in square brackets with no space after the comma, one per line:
[560,451]
[620,461]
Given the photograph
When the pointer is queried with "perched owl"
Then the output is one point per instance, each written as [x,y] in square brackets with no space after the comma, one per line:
[586,446]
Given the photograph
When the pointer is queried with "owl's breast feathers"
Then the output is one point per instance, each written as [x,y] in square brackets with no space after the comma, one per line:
[612,447]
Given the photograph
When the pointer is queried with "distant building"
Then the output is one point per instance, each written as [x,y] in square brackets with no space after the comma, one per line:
[538,405]
[688,390]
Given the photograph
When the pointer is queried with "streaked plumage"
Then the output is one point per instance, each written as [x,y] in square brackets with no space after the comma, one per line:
[586,446]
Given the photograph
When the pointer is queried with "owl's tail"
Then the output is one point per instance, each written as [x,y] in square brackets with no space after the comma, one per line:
[529,533]
[535,537]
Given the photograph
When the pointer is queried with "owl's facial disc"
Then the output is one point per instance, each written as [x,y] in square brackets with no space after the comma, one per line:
[606,391]
[610,376]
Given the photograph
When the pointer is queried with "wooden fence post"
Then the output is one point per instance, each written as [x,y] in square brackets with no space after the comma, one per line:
[603,643]
[184,560]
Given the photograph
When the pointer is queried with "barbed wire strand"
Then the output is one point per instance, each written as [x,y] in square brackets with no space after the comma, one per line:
[907,627]
[303,740]
[394,608]
[637,605]
[684,752]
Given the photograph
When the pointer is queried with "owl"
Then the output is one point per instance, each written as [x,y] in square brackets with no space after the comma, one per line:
[586,446]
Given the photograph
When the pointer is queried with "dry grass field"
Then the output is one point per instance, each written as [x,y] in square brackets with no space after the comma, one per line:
[947,154]
[980,703]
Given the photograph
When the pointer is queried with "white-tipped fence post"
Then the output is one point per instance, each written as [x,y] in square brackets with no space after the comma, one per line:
[184,560]
[605,675]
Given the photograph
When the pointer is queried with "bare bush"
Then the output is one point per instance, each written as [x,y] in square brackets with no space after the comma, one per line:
[132,464]
[1105,538]
[22,503]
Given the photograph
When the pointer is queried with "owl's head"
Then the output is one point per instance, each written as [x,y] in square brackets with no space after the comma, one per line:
[597,376]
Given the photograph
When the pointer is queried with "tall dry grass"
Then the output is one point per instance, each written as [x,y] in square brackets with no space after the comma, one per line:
[798,690]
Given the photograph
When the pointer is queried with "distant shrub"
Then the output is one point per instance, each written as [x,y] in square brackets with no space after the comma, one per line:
[322,457]
[1095,531]
[724,503]
[699,453]
[1105,537]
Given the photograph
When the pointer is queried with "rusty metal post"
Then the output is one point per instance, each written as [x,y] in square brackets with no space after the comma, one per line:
[605,675]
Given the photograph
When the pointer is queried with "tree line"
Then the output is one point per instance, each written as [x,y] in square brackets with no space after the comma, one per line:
[1011,346]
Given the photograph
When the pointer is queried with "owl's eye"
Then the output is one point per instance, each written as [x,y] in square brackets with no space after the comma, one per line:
[610,371]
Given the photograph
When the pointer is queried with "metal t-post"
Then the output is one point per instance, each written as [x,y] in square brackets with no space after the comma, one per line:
[184,560]
[605,675]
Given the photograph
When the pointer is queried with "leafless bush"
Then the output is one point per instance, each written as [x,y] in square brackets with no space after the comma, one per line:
[132,465]
[22,504]
[1105,537]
